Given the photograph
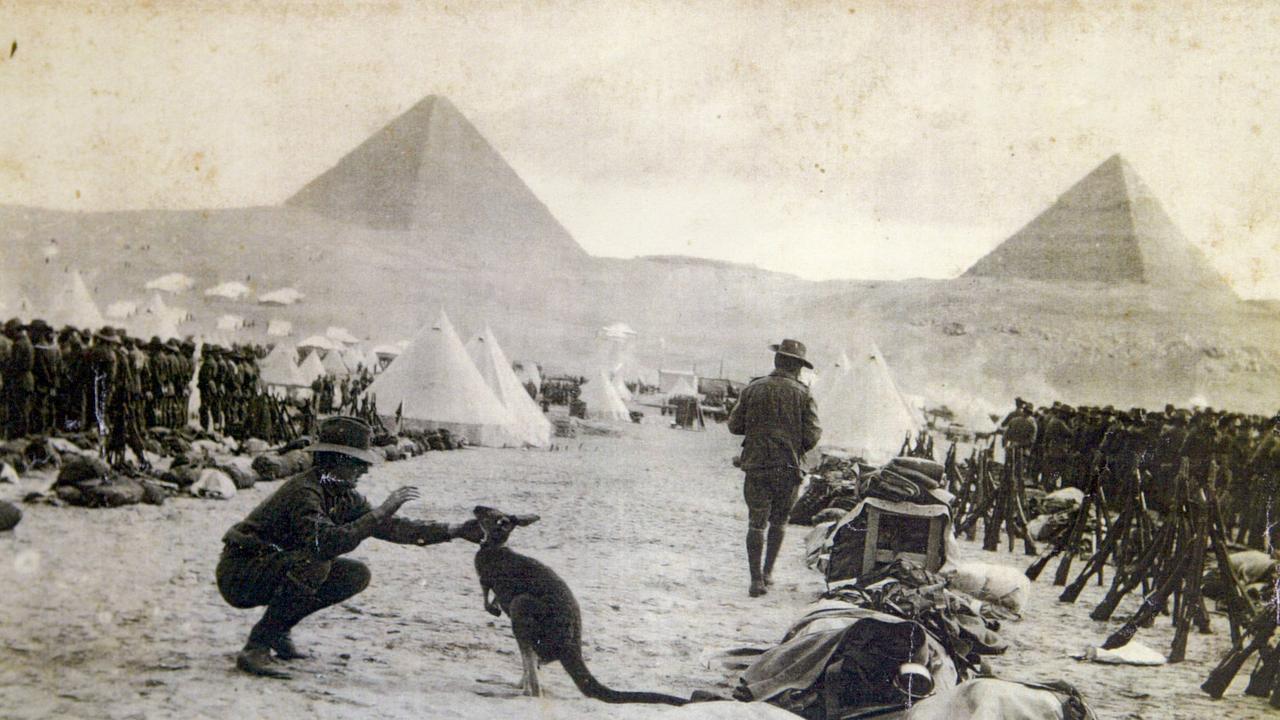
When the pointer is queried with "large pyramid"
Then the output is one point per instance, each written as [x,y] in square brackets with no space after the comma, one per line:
[431,173]
[1107,228]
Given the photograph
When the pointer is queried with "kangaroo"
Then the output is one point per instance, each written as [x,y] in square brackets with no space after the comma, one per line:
[544,615]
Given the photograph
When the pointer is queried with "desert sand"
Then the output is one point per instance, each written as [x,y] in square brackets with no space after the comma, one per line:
[114,613]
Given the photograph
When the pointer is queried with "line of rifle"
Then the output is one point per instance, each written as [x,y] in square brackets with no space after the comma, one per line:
[1261,628]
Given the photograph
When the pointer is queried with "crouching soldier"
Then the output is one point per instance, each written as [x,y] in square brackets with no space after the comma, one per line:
[286,554]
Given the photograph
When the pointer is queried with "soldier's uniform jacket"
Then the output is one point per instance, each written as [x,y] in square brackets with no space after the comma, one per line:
[325,518]
[47,368]
[779,420]
[21,363]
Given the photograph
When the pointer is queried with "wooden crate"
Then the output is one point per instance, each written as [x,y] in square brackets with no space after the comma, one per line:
[891,536]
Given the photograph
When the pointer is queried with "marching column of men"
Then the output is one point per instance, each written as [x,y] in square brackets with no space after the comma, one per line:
[75,380]
[1071,442]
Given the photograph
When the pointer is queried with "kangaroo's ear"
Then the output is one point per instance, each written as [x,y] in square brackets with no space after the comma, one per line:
[526,519]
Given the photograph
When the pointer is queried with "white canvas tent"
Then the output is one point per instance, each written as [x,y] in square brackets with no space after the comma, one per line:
[230,323]
[862,411]
[827,377]
[621,387]
[71,304]
[318,341]
[155,320]
[333,364]
[283,296]
[311,367]
[174,282]
[279,369]
[340,335]
[667,379]
[279,328]
[122,309]
[602,400]
[684,388]
[231,290]
[530,424]
[436,385]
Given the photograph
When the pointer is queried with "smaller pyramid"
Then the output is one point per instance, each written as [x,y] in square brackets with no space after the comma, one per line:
[1107,228]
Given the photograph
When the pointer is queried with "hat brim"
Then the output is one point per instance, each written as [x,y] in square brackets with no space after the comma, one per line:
[366,456]
[776,351]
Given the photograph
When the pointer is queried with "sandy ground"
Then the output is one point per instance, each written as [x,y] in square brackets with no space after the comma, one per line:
[114,613]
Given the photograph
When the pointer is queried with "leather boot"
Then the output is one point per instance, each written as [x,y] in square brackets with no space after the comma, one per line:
[755,544]
[285,649]
[776,534]
[255,659]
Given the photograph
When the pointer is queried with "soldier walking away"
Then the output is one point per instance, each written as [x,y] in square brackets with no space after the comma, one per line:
[779,421]
[286,554]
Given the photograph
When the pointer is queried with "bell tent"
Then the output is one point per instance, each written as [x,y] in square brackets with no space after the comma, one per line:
[279,369]
[72,305]
[435,385]
[311,367]
[862,411]
[530,424]
[602,400]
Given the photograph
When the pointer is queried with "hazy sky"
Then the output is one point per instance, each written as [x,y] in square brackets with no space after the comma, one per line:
[823,139]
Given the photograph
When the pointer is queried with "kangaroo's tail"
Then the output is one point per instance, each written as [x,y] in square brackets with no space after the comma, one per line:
[592,688]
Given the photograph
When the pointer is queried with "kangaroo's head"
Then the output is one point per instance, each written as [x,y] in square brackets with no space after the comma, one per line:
[497,525]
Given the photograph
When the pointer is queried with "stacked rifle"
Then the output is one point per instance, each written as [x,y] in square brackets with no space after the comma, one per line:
[994,493]
[1166,561]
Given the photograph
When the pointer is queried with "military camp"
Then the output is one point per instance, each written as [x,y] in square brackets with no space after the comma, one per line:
[725,360]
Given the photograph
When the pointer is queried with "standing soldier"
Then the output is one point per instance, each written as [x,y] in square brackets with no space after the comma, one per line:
[207,384]
[123,407]
[46,370]
[102,373]
[19,381]
[779,421]
[69,411]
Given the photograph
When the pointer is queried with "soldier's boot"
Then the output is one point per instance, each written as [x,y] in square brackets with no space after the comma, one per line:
[309,587]
[777,532]
[755,545]
[255,659]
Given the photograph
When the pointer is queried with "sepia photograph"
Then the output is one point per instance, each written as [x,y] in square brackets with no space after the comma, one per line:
[737,359]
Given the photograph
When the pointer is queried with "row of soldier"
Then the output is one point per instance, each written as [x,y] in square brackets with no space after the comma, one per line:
[115,386]
[1062,445]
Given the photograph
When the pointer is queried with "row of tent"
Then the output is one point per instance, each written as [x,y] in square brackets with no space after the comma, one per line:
[472,391]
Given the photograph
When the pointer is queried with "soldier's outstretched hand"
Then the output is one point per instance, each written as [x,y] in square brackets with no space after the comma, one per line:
[397,498]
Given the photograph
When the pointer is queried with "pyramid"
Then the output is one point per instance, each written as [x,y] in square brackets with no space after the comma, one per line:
[531,425]
[437,386]
[861,411]
[1107,228]
[430,172]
